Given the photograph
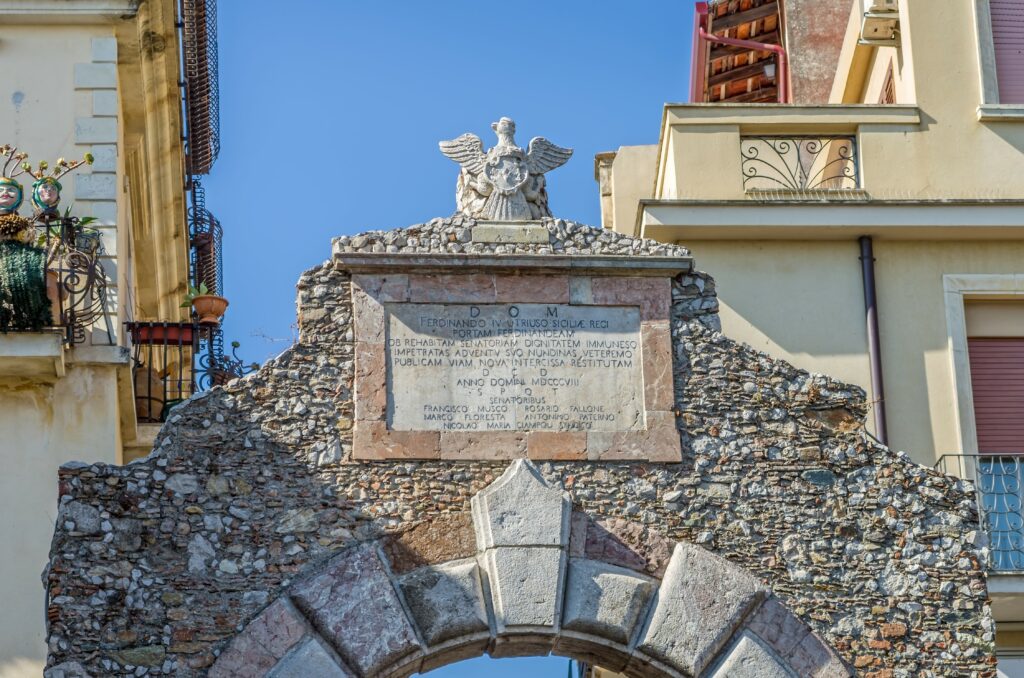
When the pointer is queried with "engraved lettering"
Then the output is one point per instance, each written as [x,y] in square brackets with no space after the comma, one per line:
[494,367]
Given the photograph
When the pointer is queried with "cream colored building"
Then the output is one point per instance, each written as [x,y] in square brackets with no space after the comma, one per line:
[776,201]
[99,76]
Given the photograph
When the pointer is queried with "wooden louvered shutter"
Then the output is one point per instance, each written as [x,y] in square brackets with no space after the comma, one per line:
[1008,37]
[997,380]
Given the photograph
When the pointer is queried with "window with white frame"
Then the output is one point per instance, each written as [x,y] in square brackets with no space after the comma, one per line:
[1007,20]
[1000,32]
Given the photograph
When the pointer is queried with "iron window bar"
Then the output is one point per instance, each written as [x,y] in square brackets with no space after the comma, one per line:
[1000,495]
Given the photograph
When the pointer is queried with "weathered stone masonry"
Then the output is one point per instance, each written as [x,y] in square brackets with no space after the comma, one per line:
[157,565]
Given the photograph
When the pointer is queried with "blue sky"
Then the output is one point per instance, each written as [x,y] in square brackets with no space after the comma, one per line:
[518,667]
[331,111]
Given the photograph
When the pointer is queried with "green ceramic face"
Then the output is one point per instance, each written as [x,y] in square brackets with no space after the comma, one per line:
[46,194]
[11,195]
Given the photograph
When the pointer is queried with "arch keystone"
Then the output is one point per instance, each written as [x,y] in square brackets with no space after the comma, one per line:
[521,509]
[522,533]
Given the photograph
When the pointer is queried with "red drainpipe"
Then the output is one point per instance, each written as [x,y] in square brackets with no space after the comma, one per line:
[697,92]
[697,66]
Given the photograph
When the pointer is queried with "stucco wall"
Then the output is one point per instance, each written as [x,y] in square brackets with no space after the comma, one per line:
[768,300]
[39,103]
[43,426]
[803,301]
[953,155]
[632,180]
[159,563]
[61,99]
[915,339]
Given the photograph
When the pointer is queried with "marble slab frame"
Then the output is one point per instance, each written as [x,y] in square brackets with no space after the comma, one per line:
[658,441]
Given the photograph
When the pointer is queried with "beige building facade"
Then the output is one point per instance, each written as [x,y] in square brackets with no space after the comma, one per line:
[99,77]
[916,157]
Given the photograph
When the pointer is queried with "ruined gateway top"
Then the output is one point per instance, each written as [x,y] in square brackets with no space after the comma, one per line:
[252,489]
[505,183]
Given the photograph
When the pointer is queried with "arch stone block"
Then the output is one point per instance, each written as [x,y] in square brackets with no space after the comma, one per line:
[702,600]
[604,600]
[793,641]
[751,658]
[607,602]
[446,601]
[309,659]
[353,602]
[267,639]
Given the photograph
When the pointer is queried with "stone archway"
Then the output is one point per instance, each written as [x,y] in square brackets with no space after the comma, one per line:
[540,579]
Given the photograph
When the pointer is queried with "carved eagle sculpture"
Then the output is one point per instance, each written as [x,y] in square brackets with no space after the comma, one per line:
[504,183]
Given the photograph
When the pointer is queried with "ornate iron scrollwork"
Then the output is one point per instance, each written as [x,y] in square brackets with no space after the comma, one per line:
[73,258]
[798,163]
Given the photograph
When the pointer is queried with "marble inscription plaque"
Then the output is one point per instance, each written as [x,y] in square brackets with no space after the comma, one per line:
[514,367]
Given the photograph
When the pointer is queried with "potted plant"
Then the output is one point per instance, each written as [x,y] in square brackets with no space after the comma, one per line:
[209,307]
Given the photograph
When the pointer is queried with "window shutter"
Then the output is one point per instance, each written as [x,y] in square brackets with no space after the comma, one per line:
[997,381]
[1008,37]
[888,95]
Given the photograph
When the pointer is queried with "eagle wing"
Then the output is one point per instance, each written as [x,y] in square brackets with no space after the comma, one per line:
[466,150]
[545,156]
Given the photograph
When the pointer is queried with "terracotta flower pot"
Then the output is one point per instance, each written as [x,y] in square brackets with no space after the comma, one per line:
[210,308]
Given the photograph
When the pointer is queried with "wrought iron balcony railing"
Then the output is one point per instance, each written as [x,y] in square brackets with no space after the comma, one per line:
[799,163]
[173,361]
[1000,487]
[163,366]
[61,267]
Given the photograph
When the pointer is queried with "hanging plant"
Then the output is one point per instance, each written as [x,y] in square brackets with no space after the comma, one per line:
[23,301]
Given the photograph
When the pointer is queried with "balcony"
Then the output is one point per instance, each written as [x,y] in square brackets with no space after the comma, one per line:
[726,151]
[805,172]
[163,366]
[1000,487]
[171,362]
[53,297]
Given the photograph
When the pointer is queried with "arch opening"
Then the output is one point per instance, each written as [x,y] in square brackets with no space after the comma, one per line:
[541,579]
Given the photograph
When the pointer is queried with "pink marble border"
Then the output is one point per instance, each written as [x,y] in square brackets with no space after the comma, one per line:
[372,440]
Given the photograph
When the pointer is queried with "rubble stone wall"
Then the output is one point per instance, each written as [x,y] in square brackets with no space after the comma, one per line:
[157,565]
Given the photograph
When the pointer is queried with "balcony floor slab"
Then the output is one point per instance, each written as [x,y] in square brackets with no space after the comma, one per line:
[38,355]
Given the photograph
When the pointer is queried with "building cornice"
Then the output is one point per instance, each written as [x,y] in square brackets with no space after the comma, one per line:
[790,219]
[66,11]
[802,115]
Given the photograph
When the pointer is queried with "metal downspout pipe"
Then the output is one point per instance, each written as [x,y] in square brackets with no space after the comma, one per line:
[867,263]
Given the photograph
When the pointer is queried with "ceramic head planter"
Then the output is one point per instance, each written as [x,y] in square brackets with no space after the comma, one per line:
[11,191]
[11,196]
[46,195]
[46,189]
[13,226]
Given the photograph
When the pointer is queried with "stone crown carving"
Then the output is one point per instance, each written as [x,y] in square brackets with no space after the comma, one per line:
[505,183]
